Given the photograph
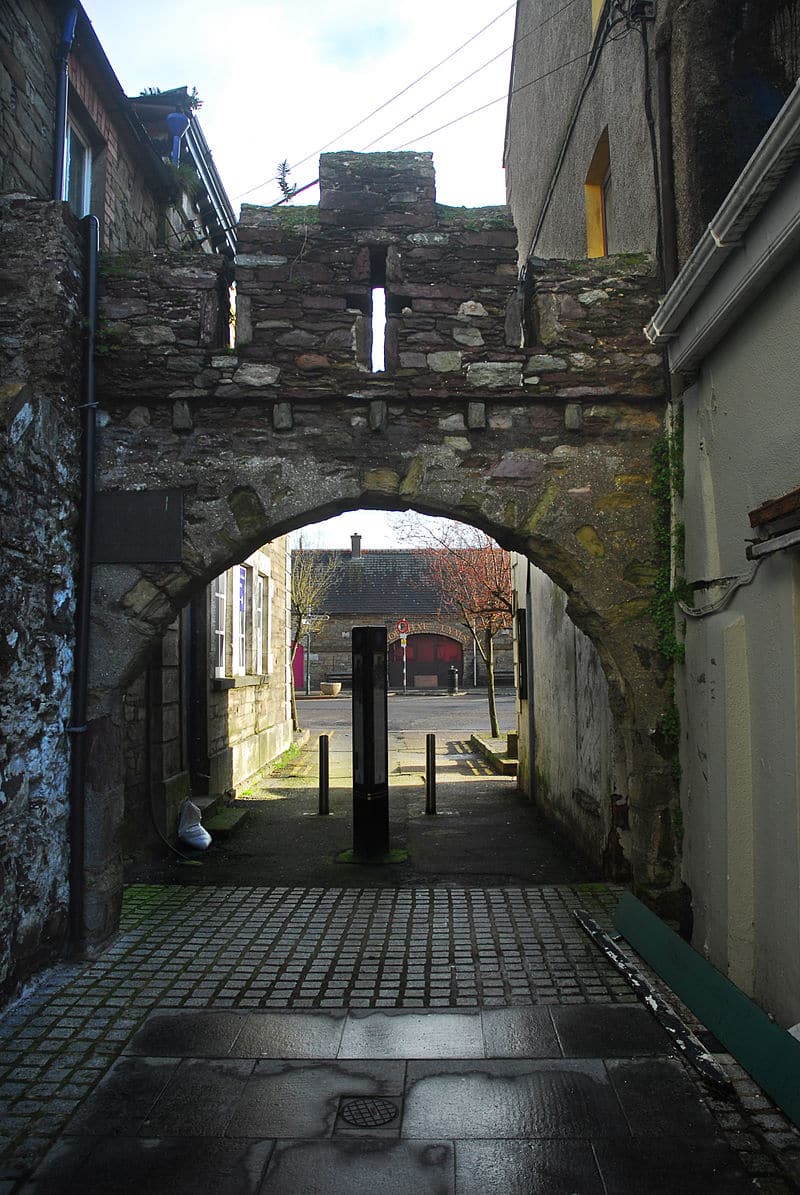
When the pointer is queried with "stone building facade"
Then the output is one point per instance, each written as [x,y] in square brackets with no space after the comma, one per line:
[211,709]
[387,587]
[113,169]
[545,447]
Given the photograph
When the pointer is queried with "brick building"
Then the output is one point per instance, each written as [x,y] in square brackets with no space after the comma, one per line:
[393,587]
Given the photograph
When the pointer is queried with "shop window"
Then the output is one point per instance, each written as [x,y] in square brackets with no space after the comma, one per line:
[598,199]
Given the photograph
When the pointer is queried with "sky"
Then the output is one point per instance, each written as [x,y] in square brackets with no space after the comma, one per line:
[280,79]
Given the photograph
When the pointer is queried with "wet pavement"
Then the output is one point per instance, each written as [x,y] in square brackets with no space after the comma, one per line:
[369,1031]
[493,1101]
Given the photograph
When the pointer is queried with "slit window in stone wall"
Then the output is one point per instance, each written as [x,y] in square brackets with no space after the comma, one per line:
[377,263]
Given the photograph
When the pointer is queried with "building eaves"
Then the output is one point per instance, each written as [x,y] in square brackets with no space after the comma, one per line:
[88,47]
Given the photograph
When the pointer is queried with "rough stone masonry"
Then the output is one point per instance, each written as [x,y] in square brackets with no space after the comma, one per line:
[546,447]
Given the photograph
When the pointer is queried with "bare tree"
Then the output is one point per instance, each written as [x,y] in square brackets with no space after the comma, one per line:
[313,575]
[473,577]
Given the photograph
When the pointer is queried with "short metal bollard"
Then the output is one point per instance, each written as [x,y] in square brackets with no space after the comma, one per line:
[324,774]
[453,686]
[430,773]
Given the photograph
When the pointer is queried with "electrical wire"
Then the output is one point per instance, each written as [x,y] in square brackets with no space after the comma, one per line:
[441,96]
[477,70]
[500,99]
[465,115]
[386,103]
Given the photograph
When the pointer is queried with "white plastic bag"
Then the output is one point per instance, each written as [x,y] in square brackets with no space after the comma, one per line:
[190,829]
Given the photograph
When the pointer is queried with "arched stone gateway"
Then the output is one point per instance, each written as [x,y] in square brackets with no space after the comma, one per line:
[547,447]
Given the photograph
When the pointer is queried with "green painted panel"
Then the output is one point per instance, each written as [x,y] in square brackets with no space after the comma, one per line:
[767,1052]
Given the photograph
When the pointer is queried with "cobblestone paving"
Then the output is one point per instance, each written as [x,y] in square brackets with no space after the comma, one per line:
[303,948]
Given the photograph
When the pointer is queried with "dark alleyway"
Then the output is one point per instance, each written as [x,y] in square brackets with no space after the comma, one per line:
[274,1022]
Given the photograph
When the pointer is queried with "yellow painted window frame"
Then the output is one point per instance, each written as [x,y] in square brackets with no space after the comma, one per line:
[596,176]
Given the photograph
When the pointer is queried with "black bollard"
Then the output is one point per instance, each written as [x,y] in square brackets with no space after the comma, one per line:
[430,773]
[453,679]
[324,774]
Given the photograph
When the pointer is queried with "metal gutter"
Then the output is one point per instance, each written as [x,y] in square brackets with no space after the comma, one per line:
[62,92]
[80,684]
[222,207]
[774,157]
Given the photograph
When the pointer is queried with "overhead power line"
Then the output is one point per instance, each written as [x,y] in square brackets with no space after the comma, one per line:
[431,103]
[500,100]
[441,96]
[386,103]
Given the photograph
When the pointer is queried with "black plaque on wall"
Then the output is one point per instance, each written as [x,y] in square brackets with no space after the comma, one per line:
[138,527]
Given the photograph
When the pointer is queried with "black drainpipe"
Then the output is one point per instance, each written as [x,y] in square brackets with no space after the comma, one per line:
[62,83]
[80,686]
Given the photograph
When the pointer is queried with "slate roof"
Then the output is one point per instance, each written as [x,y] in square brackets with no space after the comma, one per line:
[384,581]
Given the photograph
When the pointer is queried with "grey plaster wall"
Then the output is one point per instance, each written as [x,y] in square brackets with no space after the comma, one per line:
[539,119]
[576,760]
[740,687]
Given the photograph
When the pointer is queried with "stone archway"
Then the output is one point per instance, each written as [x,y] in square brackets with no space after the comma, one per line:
[545,448]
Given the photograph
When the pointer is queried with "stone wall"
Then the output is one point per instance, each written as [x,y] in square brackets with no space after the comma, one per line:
[30,31]
[731,68]
[249,720]
[546,447]
[40,319]
[127,194]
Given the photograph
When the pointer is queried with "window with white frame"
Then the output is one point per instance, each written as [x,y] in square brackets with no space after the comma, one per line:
[240,588]
[270,653]
[258,625]
[219,603]
[77,172]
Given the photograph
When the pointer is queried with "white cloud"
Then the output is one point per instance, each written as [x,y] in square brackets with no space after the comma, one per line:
[279,79]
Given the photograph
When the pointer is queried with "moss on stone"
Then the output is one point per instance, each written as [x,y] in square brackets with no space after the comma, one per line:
[590,541]
[414,478]
[546,500]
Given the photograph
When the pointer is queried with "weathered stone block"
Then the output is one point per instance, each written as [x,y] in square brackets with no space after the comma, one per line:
[377,414]
[472,308]
[573,417]
[444,362]
[494,374]
[256,375]
[282,416]
[476,415]
[181,417]
[543,363]
[469,336]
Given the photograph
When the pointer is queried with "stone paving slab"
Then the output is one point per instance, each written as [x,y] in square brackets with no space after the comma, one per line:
[455,1125]
[511,958]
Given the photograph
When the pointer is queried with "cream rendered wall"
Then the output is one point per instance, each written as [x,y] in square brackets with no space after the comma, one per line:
[539,117]
[571,759]
[740,686]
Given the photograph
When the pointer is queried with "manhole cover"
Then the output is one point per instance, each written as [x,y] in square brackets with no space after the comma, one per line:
[367,1113]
